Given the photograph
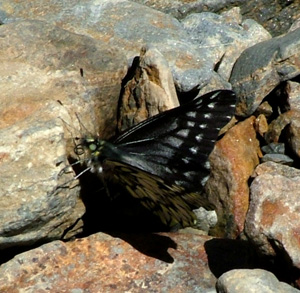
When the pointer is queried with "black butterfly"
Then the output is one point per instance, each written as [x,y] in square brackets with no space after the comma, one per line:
[163,161]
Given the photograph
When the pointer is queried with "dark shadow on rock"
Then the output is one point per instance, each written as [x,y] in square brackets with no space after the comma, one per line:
[227,254]
[150,244]
[117,211]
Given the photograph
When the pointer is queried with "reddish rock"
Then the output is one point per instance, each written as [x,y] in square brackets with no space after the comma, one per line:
[232,163]
[273,219]
[100,263]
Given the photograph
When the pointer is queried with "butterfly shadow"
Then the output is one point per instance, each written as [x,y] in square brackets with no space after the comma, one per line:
[120,215]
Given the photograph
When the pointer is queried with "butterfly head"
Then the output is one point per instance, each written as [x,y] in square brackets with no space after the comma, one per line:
[95,151]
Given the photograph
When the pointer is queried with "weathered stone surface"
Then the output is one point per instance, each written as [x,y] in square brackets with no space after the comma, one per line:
[273,218]
[41,90]
[256,280]
[290,121]
[275,16]
[124,24]
[232,162]
[182,8]
[100,263]
[223,37]
[129,26]
[262,67]
[150,89]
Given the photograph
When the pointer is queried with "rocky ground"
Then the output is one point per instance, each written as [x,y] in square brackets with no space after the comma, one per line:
[72,67]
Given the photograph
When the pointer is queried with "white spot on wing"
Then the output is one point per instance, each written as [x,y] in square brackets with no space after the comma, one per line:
[183,132]
[186,161]
[211,105]
[199,137]
[168,170]
[191,114]
[194,150]
[207,115]
[190,124]
[204,180]
[202,126]
[207,165]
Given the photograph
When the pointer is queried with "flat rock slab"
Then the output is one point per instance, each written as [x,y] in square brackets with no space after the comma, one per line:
[101,263]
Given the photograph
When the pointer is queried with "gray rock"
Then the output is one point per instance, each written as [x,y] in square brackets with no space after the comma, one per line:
[278,158]
[272,221]
[275,16]
[182,8]
[262,67]
[130,26]
[42,89]
[222,38]
[126,25]
[257,280]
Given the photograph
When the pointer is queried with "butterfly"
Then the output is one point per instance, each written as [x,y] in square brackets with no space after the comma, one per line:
[164,160]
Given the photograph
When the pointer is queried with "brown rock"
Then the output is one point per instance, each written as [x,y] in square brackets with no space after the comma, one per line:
[48,75]
[150,91]
[100,263]
[261,124]
[273,218]
[232,163]
[289,121]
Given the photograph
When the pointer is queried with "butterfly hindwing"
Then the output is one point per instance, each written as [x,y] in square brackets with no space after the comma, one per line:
[169,202]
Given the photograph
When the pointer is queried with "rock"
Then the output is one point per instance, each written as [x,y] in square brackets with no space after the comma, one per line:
[276,17]
[126,25]
[42,89]
[290,123]
[261,68]
[232,163]
[181,8]
[256,280]
[261,124]
[272,222]
[149,90]
[130,26]
[102,263]
[275,152]
[222,38]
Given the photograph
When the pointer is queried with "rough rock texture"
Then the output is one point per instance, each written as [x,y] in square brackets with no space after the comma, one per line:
[226,36]
[252,281]
[232,162]
[148,90]
[101,263]
[273,218]
[287,124]
[41,90]
[262,67]
[276,16]
[129,26]
[57,85]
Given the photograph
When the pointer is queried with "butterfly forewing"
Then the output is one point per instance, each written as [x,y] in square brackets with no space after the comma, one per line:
[175,144]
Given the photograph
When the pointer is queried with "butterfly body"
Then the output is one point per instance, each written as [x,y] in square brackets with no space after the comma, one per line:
[163,161]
